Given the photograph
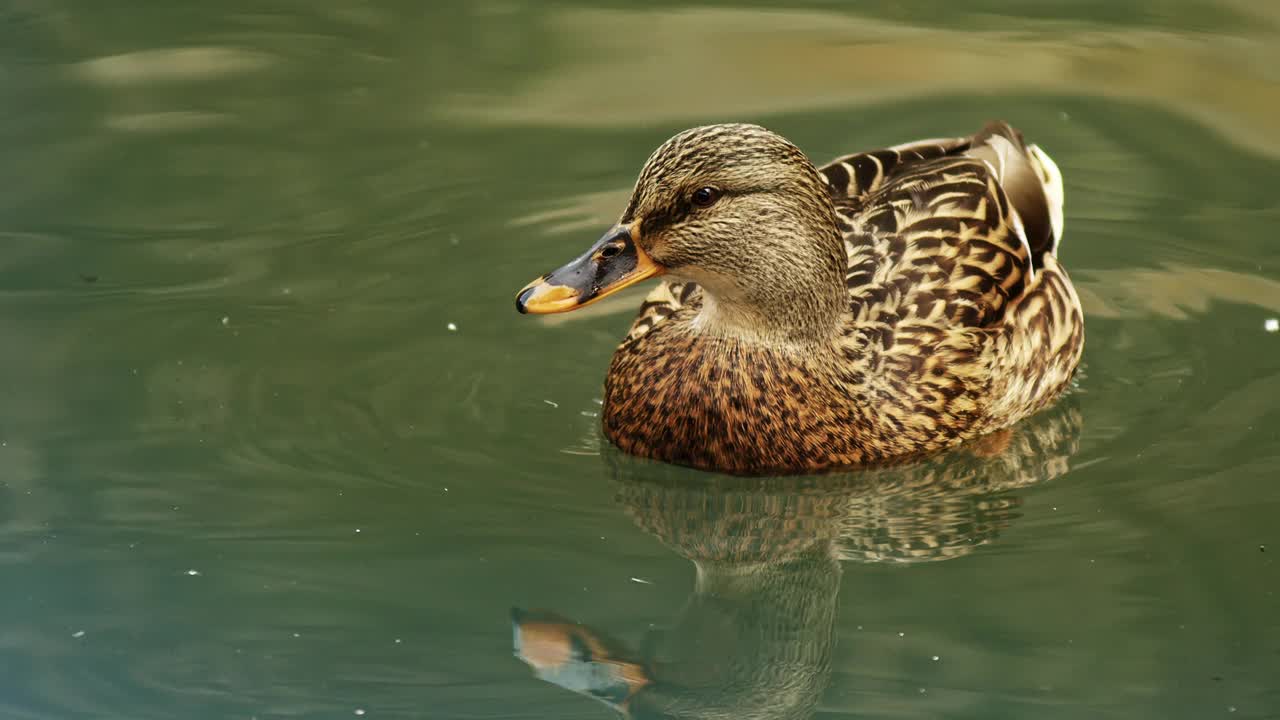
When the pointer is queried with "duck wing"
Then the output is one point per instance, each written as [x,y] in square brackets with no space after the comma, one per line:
[945,231]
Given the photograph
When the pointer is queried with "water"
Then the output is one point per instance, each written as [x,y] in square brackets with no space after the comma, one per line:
[274,443]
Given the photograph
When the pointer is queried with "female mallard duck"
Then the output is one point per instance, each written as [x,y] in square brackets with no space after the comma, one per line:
[893,303]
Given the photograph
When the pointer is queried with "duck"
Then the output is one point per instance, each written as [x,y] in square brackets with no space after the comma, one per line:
[888,305]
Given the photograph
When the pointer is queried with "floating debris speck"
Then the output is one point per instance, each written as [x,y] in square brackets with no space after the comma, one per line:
[453,327]
[1271,325]
[642,581]
[193,572]
[226,319]
[552,404]
[78,634]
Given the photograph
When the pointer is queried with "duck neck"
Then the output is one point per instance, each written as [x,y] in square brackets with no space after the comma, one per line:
[793,300]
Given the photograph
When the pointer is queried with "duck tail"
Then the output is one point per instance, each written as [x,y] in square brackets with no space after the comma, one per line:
[1051,177]
[1030,179]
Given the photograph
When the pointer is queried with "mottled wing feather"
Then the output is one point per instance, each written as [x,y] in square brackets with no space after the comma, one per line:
[935,240]
[1034,353]
[856,176]
[959,320]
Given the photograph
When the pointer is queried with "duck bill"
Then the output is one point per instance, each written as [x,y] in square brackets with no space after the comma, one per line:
[613,263]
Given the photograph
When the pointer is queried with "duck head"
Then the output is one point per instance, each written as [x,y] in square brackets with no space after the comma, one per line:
[735,208]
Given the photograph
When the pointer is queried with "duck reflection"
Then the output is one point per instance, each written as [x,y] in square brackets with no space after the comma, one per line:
[755,638]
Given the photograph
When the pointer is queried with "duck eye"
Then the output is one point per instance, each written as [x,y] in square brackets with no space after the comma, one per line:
[705,196]
[609,251]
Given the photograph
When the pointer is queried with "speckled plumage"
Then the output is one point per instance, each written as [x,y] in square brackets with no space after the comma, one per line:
[892,304]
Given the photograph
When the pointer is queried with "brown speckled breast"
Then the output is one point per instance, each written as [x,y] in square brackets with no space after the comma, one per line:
[720,404]
[715,404]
